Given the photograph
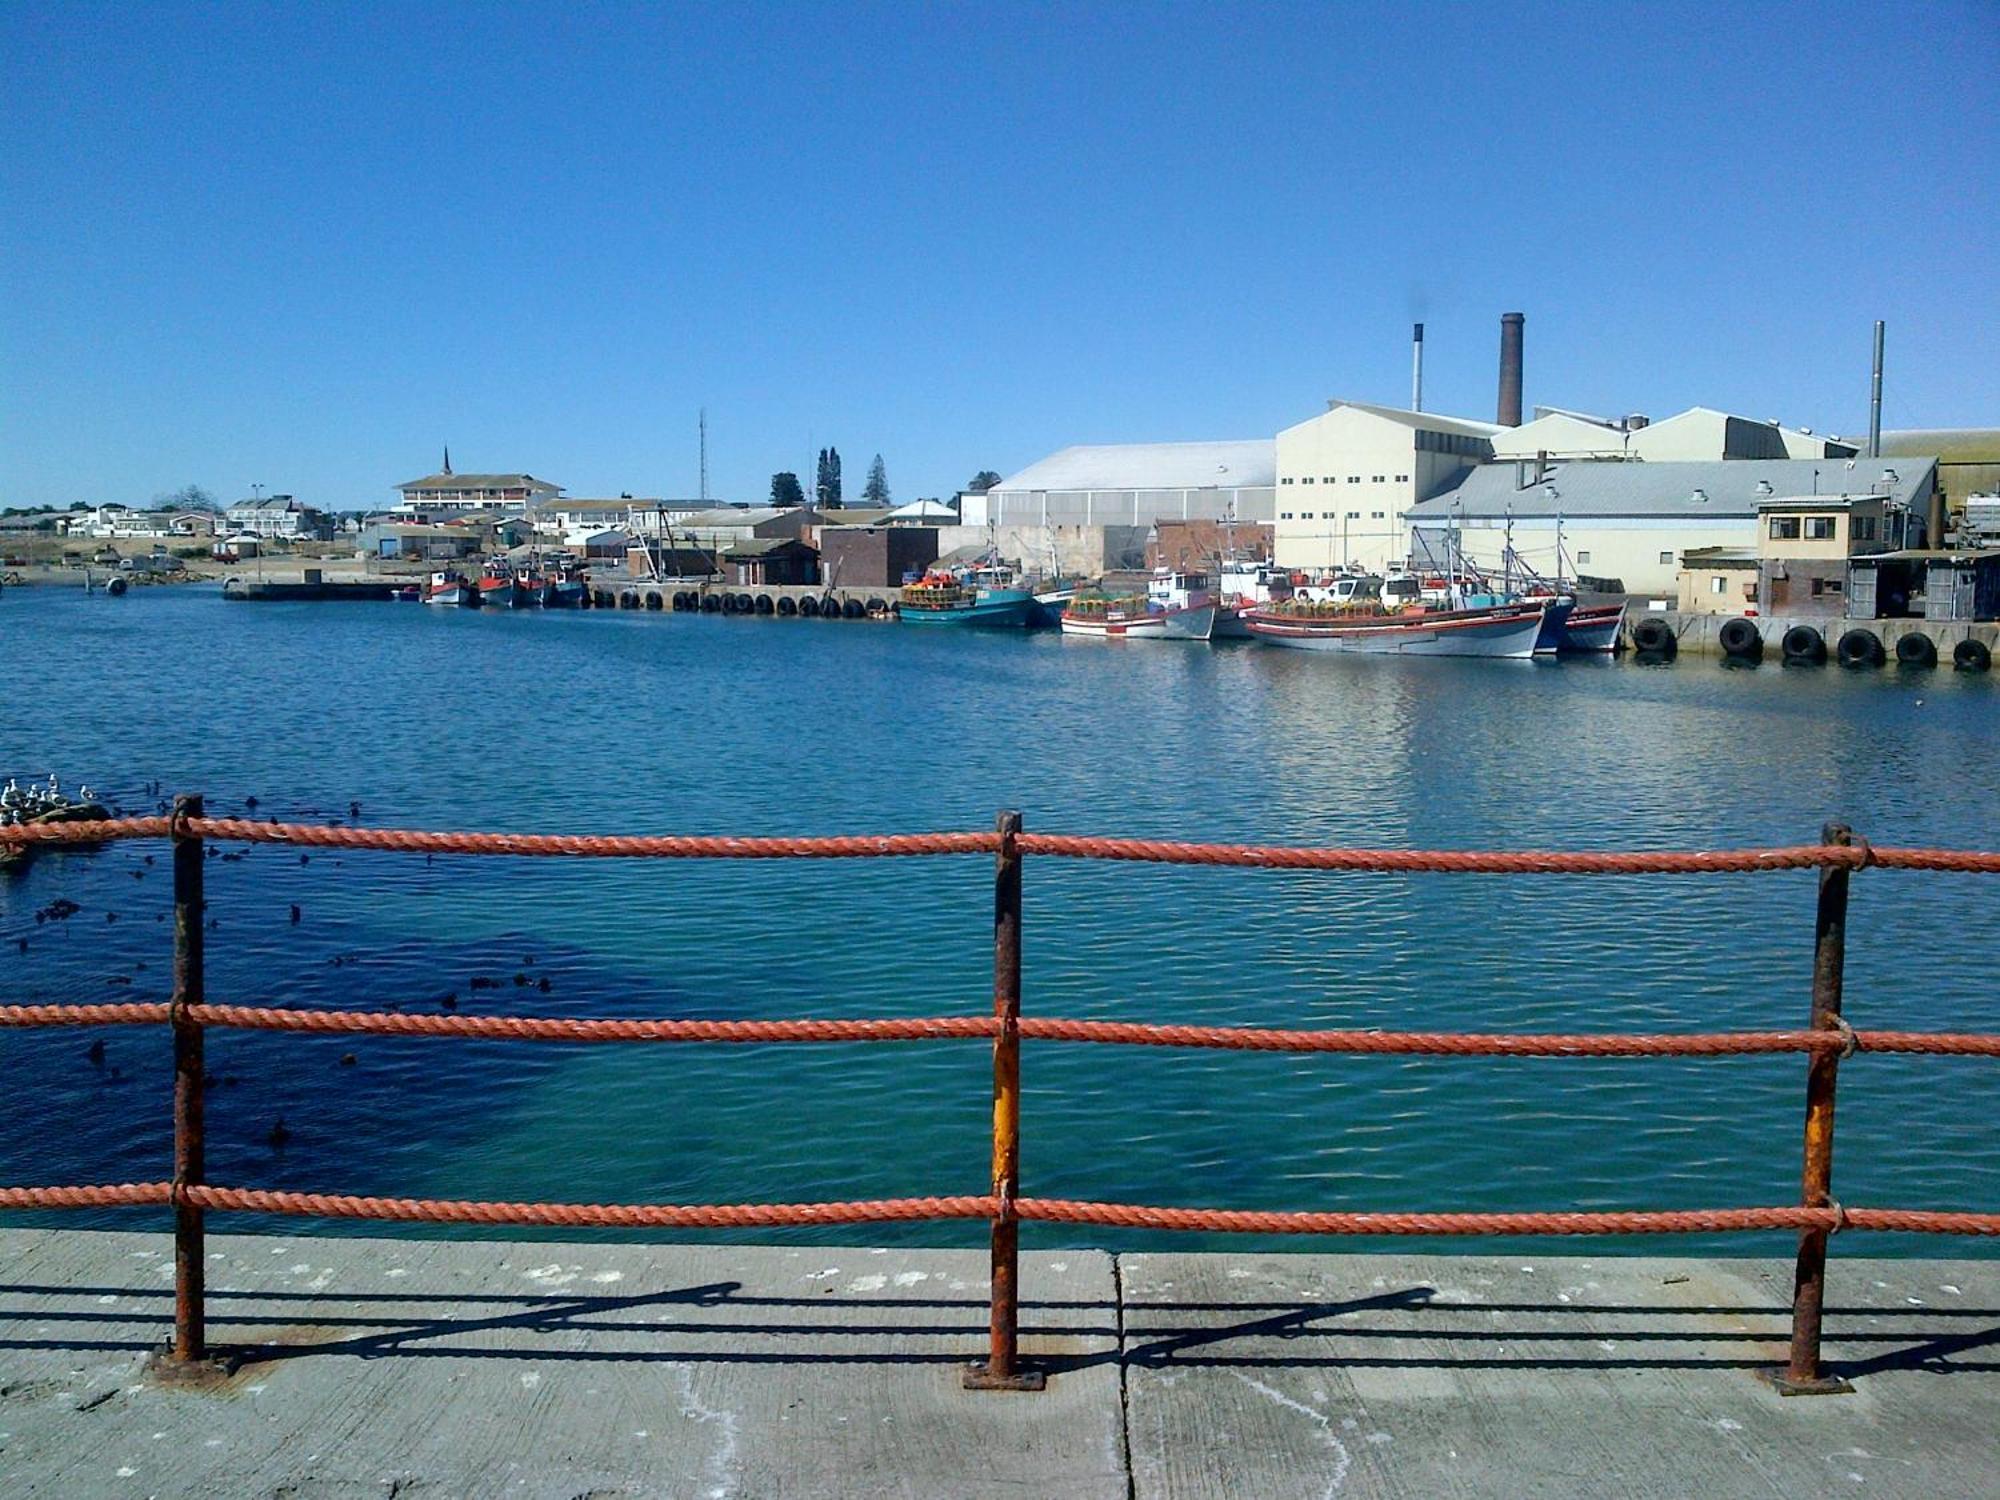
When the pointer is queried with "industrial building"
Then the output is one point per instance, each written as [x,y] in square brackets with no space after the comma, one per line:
[445,494]
[1696,435]
[1968,459]
[1347,480]
[1629,524]
[1133,484]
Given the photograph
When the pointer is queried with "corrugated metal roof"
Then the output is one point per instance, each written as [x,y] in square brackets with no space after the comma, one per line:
[1153,466]
[1429,421]
[479,482]
[1957,445]
[1724,487]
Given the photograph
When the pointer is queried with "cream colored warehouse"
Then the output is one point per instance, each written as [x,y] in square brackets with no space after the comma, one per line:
[1633,521]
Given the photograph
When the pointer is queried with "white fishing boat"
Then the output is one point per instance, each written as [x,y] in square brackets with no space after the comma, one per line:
[1244,583]
[450,590]
[1505,630]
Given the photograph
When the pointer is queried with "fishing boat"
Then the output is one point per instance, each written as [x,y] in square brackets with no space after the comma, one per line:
[409,593]
[565,588]
[1593,628]
[1244,583]
[450,590]
[986,596]
[1501,630]
[500,588]
[1120,619]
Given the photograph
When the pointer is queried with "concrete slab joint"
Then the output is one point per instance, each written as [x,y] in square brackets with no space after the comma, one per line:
[376,1367]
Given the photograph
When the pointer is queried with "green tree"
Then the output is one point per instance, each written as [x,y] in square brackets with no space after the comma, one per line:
[826,487]
[187,497]
[785,490]
[876,491]
[981,482]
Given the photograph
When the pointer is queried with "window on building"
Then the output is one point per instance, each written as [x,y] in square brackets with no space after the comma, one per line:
[1583,557]
[1864,528]
[1286,480]
[1784,528]
[1354,515]
[1285,515]
[1826,586]
[1718,585]
[1375,515]
[1819,528]
[1327,479]
[1381,478]
[1354,479]
[1666,558]
[1307,480]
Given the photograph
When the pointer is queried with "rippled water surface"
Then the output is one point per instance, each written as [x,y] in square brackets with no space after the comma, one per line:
[604,721]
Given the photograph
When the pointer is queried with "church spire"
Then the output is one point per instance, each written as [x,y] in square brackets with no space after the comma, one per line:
[447,458]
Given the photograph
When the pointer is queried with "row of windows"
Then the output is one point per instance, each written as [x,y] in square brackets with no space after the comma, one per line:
[1330,515]
[1453,442]
[1816,528]
[1351,479]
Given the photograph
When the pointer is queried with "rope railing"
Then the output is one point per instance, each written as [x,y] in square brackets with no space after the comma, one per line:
[1825,1043]
[1030,1028]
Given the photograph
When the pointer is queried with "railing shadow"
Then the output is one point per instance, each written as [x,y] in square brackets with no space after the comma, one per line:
[723,1323]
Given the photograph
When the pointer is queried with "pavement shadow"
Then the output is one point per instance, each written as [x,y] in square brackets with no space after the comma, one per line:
[722,1323]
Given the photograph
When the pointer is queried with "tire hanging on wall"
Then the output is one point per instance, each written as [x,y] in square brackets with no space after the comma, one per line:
[1654,637]
[1915,649]
[1804,646]
[1860,648]
[1972,656]
[1740,640]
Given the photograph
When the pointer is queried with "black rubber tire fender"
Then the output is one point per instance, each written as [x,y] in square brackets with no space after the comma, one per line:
[1915,649]
[764,605]
[1803,644]
[1655,637]
[1741,639]
[1972,656]
[1860,648]
[711,604]
[809,607]
[787,605]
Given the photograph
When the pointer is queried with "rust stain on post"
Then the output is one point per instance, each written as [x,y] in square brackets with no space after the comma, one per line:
[1002,1368]
[1803,1375]
[189,1334]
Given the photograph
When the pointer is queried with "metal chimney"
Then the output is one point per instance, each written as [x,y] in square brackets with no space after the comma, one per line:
[1875,401]
[1417,369]
[1510,369]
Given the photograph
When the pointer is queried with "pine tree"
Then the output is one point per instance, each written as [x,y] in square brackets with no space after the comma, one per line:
[785,490]
[877,491]
[826,488]
[981,482]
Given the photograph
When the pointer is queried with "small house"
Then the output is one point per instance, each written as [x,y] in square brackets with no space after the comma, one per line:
[771,560]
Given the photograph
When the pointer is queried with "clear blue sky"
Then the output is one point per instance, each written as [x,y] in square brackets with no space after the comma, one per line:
[306,246]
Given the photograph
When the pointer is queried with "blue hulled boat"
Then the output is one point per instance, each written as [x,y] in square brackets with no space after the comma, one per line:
[987,597]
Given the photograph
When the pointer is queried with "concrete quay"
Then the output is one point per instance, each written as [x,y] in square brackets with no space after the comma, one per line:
[1699,634]
[396,1368]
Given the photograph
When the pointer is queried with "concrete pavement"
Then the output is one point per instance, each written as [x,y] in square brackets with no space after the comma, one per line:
[402,1368]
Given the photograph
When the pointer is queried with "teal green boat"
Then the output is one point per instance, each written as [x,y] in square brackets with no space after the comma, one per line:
[987,597]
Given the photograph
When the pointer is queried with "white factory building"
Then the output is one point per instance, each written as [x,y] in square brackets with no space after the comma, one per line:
[1132,485]
[1632,521]
[1348,477]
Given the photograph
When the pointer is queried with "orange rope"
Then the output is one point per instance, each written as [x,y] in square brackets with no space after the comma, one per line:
[1046,1210]
[1040,1028]
[1068,846]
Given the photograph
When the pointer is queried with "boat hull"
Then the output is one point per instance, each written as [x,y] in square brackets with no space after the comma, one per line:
[567,595]
[1593,629]
[1555,615]
[1000,610]
[453,596]
[1133,625]
[1230,625]
[1509,632]
[505,596]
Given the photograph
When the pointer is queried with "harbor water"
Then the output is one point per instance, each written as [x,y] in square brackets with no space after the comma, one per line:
[607,721]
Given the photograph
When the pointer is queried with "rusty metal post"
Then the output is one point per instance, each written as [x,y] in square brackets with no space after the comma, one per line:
[189,1337]
[1002,1370]
[1803,1375]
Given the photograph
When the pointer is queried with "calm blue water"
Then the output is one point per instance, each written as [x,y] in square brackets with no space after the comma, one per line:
[606,721]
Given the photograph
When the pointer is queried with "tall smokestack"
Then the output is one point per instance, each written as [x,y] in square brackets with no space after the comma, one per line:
[1875,402]
[1510,369]
[1417,370]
